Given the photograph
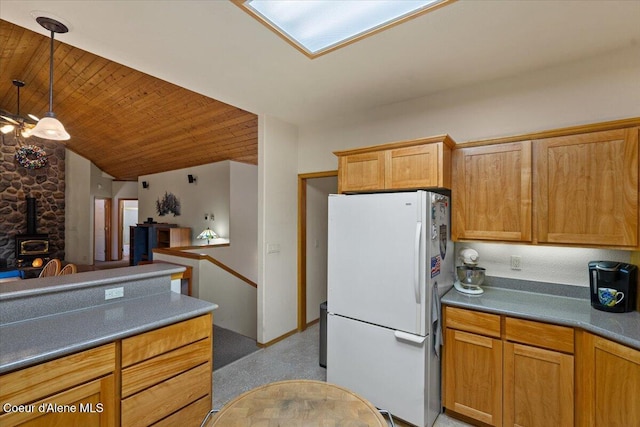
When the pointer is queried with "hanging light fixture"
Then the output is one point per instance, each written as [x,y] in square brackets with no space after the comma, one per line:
[49,127]
[15,122]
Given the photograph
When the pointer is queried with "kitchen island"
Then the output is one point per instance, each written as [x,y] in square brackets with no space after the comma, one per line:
[539,354]
[108,347]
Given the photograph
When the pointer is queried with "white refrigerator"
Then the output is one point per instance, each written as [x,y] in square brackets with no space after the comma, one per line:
[390,258]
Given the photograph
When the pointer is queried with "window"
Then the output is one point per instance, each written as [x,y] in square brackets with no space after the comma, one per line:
[316,27]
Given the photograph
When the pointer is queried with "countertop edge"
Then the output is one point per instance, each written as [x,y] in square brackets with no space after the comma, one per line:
[41,357]
[45,285]
[589,327]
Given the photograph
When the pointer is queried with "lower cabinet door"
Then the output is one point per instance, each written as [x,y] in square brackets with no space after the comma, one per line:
[87,405]
[473,376]
[538,387]
[609,382]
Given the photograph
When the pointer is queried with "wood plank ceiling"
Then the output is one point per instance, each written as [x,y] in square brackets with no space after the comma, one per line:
[126,122]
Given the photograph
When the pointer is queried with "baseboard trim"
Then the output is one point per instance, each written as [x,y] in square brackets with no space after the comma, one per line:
[276,340]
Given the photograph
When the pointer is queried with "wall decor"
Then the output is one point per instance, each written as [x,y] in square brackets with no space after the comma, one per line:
[31,157]
[168,204]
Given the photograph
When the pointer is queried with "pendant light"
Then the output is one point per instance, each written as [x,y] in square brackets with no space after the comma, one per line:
[49,127]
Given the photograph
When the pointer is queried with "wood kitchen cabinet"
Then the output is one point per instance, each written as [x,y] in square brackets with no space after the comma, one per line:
[608,384]
[166,374]
[161,377]
[586,189]
[472,376]
[75,390]
[405,165]
[572,186]
[500,370]
[491,192]
[538,374]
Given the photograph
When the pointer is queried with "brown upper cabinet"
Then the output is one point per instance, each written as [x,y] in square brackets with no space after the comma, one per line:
[492,192]
[586,188]
[419,163]
[574,186]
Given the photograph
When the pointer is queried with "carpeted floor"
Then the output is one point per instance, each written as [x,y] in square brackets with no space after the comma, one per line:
[229,346]
[296,357]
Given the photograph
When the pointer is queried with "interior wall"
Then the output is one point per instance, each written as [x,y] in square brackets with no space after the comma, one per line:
[318,190]
[542,263]
[79,212]
[242,252]
[209,194]
[45,185]
[277,232]
[594,90]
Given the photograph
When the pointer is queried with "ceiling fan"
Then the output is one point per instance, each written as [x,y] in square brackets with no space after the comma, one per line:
[15,122]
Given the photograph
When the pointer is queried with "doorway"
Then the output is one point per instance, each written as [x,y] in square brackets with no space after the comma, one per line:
[102,230]
[127,217]
[313,192]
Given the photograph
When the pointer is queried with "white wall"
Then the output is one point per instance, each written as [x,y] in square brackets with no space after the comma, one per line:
[242,252]
[594,90]
[277,219]
[541,263]
[78,210]
[84,183]
[318,190]
[209,194]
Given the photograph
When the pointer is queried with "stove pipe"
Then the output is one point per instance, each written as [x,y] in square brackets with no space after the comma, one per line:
[31,215]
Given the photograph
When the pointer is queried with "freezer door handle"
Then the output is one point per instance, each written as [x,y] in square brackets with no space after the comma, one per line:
[416,262]
[414,339]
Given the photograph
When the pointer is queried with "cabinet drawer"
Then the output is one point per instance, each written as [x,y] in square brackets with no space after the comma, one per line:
[189,416]
[29,384]
[553,337]
[159,368]
[158,341]
[473,321]
[153,404]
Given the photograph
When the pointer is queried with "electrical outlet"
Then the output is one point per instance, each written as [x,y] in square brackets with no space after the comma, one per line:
[516,262]
[113,293]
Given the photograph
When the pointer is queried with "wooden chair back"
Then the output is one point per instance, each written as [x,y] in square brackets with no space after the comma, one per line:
[52,268]
[68,269]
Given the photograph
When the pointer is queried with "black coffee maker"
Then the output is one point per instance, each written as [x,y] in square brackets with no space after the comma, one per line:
[613,286]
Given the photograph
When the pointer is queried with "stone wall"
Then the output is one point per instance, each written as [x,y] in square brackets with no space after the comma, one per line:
[45,184]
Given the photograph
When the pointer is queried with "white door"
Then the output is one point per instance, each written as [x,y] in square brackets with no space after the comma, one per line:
[375,273]
[387,370]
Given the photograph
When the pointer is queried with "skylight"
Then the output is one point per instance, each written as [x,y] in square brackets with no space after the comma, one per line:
[319,26]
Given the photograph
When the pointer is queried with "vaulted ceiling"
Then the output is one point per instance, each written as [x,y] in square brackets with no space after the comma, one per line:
[210,68]
[127,122]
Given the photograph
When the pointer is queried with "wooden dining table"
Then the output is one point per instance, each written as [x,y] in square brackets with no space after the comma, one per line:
[298,403]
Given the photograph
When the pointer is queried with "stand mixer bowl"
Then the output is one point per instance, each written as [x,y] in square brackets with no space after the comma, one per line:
[469,275]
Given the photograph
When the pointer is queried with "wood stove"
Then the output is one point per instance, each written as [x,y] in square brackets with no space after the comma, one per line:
[31,245]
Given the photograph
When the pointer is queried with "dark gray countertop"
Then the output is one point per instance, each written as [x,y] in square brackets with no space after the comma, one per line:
[558,309]
[77,317]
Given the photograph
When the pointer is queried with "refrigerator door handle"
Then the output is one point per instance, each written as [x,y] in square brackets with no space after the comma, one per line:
[416,262]
[414,339]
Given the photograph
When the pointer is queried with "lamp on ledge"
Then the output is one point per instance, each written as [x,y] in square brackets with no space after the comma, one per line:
[207,234]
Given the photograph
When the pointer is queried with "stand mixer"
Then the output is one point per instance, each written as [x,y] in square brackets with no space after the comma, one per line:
[469,276]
